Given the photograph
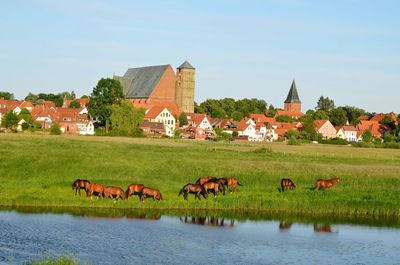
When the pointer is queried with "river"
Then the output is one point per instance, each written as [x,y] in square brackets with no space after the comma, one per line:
[163,239]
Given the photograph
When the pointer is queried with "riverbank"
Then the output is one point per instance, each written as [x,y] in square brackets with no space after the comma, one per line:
[38,170]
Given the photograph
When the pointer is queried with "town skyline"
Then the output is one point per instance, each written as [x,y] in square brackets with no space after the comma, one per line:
[239,51]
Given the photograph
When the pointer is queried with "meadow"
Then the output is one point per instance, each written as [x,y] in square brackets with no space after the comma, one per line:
[38,170]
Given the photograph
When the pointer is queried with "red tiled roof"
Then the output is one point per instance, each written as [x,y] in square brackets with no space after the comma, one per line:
[153,112]
[379,117]
[26,104]
[9,104]
[349,128]
[319,123]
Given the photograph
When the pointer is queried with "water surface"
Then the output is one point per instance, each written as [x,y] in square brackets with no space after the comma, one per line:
[160,239]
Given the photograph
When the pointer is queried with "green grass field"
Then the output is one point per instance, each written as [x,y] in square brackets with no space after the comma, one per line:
[38,170]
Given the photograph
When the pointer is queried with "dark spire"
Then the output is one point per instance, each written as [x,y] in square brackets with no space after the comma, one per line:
[293,96]
[186,65]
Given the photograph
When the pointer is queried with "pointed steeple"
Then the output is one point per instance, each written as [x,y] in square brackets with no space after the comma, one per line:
[293,96]
[186,65]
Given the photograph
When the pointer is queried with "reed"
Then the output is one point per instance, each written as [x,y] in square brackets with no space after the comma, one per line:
[38,170]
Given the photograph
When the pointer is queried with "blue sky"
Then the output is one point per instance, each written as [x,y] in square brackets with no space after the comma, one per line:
[346,50]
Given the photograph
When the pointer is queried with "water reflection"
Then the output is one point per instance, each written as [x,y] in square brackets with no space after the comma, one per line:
[210,221]
[322,228]
[283,225]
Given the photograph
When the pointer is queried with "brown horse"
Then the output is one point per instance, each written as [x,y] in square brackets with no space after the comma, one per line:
[197,189]
[150,192]
[134,189]
[201,181]
[212,185]
[94,188]
[326,183]
[117,192]
[233,182]
[287,184]
[80,184]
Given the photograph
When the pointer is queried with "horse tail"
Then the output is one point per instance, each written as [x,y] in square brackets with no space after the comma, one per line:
[239,183]
[161,198]
[198,181]
[180,192]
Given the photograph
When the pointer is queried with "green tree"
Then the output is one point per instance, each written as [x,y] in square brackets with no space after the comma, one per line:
[284,118]
[183,119]
[75,105]
[320,115]
[85,96]
[338,117]
[125,119]
[218,113]
[6,95]
[197,108]
[271,111]
[325,104]
[55,129]
[32,98]
[367,136]
[353,113]
[107,92]
[26,116]
[235,134]
[10,120]
[237,115]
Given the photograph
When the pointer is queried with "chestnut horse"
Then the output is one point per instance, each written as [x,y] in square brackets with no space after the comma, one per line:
[117,192]
[287,184]
[326,183]
[134,189]
[233,182]
[80,184]
[201,181]
[94,188]
[197,189]
[150,192]
[212,185]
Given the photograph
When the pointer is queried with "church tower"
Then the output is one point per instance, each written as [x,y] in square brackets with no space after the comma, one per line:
[185,82]
[292,102]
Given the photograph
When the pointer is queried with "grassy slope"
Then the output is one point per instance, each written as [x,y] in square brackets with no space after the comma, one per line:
[38,170]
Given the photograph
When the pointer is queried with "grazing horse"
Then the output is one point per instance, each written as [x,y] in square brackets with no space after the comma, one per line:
[287,184]
[223,182]
[92,188]
[197,189]
[212,185]
[233,182]
[326,183]
[80,184]
[117,192]
[134,188]
[201,181]
[150,192]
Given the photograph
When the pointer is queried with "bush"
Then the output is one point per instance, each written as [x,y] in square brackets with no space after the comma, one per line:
[391,145]
[293,141]
[55,129]
[336,141]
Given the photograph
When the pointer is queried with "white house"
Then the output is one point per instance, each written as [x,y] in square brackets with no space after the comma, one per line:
[350,133]
[85,128]
[163,115]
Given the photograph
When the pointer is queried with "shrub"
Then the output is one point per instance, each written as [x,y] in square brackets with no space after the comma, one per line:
[336,141]
[55,129]
[293,141]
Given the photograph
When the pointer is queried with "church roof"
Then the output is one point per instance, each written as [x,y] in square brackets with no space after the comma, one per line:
[293,96]
[143,80]
[186,65]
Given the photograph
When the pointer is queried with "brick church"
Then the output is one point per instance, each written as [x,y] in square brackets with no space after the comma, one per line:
[156,86]
[292,104]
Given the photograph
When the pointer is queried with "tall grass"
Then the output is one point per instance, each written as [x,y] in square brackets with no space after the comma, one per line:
[39,170]
[63,260]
